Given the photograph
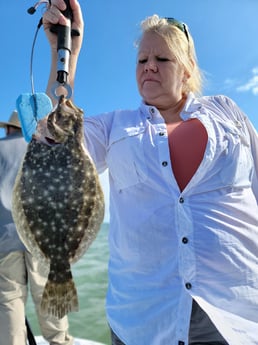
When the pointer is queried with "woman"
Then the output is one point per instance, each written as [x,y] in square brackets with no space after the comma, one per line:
[183,199]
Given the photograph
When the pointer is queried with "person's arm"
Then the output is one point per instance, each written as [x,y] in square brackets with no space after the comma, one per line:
[254,148]
[54,16]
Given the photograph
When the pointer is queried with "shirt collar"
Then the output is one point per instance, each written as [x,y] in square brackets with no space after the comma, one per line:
[192,105]
[149,111]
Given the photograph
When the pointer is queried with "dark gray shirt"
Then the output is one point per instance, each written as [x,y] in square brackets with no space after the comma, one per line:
[202,330]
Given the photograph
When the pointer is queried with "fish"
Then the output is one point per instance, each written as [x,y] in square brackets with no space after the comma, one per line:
[58,203]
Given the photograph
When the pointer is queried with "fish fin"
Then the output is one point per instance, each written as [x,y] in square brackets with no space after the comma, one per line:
[59,299]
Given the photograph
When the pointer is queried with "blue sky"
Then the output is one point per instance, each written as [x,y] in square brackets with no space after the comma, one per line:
[225,33]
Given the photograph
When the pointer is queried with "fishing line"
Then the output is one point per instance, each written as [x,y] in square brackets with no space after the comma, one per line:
[33,106]
[32,55]
[32,10]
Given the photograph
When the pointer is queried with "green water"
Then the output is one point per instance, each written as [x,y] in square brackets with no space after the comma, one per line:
[90,276]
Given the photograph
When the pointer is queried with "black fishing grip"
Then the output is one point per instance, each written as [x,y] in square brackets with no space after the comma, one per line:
[64,34]
[68,13]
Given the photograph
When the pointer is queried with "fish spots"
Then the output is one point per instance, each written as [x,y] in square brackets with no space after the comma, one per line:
[58,204]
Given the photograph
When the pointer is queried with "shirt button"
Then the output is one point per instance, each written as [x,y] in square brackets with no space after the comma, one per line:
[164,163]
[188,286]
[185,240]
[181,200]
[161,134]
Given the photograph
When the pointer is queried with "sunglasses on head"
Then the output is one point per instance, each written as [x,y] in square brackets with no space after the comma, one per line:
[181,26]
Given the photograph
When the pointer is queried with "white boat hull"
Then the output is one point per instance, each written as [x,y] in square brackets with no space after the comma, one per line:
[77,341]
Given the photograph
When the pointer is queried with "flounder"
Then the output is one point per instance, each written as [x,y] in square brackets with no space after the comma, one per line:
[58,203]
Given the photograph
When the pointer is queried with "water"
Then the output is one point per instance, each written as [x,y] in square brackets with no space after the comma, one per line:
[90,276]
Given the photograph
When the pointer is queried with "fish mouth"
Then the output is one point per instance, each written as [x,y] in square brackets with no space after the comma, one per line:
[51,141]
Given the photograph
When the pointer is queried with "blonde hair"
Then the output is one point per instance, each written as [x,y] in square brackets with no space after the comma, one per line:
[181,46]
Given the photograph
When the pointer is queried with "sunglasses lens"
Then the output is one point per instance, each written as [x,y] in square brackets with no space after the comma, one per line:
[178,24]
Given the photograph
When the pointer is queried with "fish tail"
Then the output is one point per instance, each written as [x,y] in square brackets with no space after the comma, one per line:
[59,299]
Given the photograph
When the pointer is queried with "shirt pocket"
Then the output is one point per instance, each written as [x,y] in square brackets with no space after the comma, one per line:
[125,157]
[238,165]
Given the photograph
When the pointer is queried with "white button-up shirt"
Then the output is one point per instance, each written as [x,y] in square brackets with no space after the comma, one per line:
[167,246]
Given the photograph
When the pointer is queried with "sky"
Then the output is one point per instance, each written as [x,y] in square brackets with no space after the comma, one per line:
[225,34]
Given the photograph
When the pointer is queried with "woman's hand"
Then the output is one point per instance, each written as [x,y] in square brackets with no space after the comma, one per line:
[54,15]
